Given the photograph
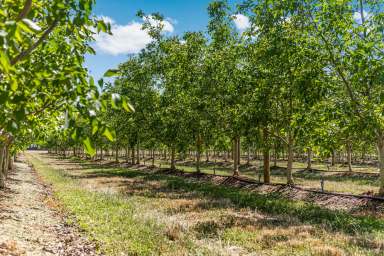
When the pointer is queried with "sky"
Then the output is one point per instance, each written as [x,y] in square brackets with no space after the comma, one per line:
[128,38]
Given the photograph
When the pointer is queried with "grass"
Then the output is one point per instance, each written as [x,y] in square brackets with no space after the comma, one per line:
[113,220]
[153,214]
[355,183]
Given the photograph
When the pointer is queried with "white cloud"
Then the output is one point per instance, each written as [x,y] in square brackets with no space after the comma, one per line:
[127,39]
[241,21]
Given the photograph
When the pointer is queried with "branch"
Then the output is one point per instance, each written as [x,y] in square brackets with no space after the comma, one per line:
[24,12]
[277,136]
[362,17]
[334,62]
[47,105]
[28,51]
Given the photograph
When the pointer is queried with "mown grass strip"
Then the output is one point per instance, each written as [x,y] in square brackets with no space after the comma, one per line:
[333,220]
[112,220]
[115,219]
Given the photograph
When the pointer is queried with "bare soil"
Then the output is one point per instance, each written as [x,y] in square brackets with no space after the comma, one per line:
[30,222]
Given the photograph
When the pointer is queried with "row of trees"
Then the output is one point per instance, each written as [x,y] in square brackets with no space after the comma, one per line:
[42,78]
[305,76]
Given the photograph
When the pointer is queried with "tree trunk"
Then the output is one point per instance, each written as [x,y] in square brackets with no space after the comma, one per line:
[380,150]
[275,155]
[290,158]
[238,152]
[138,153]
[173,153]
[349,156]
[2,174]
[10,162]
[117,154]
[133,155]
[6,159]
[153,157]
[266,157]
[198,153]
[236,156]
[333,158]
[309,158]
[248,156]
[126,153]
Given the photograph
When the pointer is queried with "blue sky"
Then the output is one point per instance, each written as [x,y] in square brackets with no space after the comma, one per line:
[181,16]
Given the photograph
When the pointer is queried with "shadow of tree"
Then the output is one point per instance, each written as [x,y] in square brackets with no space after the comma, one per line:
[191,186]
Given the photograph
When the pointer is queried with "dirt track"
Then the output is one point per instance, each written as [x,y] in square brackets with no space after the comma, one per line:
[29,226]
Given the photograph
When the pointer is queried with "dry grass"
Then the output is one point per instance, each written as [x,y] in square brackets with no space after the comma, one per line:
[192,222]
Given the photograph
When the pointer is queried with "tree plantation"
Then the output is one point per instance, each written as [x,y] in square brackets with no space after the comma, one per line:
[261,139]
[303,81]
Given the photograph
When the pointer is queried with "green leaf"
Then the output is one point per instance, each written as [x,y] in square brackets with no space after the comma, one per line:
[91,81]
[32,25]
[111,73]
[101,26]
[107,133]
[128,107]
[74,134]
[88,147]
[95,126]
[101,83]
[115,100]
[4,61]
[14,85]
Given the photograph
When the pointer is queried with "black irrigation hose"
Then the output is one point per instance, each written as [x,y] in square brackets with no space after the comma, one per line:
[319,170]
[373,198]
[252,181]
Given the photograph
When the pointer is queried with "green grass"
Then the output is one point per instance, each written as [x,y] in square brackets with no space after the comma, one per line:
[355,183]
[157,214]
[112,220]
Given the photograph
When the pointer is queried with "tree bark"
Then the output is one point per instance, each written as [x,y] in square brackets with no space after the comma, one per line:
[126,153]
[173,153]
[133,155]
[266,157]
[236,157]
[349,156]
[6,159]
[2,174]
[380,150]
[309,158]
[290,158]
[138,153]
[10,162]
[238,152]
[333,158]
[198,153]
[275,155]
